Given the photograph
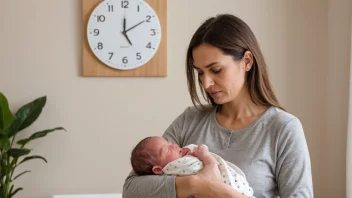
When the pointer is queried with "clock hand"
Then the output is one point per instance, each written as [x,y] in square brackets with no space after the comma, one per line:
[124,33]
[134,26]
[124,24]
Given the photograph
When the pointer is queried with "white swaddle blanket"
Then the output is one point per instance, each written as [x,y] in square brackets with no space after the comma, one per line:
[230,173]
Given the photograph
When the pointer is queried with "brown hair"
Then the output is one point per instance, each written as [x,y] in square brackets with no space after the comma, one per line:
[233,37]
[142,160]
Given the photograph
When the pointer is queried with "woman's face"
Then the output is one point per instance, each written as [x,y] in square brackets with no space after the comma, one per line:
[222,77]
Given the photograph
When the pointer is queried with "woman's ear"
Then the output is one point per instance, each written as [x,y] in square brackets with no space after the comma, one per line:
[158,170]
[248,60]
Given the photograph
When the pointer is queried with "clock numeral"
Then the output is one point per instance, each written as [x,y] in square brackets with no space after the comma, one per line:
[100,46]
[124,4]
[96,32]
[101,18]
[111,8]
[148,18]
[149,45]
[124,60]
[138,8]
[111,55]
[139,57]
[154,33]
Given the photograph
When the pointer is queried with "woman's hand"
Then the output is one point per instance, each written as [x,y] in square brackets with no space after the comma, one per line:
[207,183]
[211,171]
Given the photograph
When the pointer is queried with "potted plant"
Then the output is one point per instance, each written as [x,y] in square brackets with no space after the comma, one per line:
[14,152]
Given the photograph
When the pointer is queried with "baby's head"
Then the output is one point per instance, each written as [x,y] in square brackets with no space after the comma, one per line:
[152,154]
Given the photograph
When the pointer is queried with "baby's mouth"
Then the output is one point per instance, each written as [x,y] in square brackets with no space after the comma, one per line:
[181,153]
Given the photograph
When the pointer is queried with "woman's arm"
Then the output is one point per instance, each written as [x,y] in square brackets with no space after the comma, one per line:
[150,186]
[293,167]
[199,187]
[207,183]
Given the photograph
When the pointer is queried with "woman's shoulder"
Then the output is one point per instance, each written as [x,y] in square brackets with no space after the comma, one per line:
[192,113]
[205,109]
[276,118]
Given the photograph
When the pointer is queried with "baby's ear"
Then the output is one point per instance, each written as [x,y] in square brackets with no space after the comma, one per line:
[158,170]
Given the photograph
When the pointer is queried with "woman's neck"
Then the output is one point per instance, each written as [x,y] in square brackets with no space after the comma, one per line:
[242,107]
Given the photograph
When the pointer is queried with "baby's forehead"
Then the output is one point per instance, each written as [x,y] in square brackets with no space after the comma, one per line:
[155,142]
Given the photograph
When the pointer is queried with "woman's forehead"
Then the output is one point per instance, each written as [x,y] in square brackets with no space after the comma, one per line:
[206,55]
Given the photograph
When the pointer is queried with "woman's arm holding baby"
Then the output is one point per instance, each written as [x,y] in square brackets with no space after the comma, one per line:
[150,186]
[207,183]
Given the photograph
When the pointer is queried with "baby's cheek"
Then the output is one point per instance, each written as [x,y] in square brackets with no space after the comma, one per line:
[175,156]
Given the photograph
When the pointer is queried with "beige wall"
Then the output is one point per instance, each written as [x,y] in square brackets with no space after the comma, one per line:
[304,43]
[333,157]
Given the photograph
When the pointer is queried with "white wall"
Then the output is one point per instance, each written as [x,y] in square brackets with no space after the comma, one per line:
[40,54]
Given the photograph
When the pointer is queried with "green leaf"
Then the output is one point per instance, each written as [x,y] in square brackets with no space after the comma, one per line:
[24,172]
[16,191]
[16,152]
[11,189]
[6,117]
[4,142]
[37,135]
[26,115]
[33,157]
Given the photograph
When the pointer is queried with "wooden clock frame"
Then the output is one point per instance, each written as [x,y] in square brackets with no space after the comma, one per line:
[156,67]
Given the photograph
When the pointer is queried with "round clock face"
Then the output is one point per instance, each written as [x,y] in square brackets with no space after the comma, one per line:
[124,34]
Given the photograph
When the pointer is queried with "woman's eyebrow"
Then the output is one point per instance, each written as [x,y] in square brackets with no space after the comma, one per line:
[209,65]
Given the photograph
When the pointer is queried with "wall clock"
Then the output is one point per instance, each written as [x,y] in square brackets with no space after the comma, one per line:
[124,37]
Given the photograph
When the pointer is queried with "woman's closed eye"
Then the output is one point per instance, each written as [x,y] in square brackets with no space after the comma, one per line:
[214,71]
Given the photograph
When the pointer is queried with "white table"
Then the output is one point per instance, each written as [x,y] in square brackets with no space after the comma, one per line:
[89,196]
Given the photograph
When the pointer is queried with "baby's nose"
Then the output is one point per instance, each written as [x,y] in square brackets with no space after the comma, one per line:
[174,146]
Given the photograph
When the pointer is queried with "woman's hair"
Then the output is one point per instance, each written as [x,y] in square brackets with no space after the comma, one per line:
[142,160]
[233,37]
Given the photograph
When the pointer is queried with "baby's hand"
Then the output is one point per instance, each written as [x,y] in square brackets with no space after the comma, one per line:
[202,152]
[186,151]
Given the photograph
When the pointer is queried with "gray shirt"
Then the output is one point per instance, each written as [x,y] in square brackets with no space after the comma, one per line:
[272,152]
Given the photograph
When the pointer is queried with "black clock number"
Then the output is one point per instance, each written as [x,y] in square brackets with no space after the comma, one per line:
[124,60]
[111,55]
[111,8]
[139,57]
[149,45]
[154,33]
[96,32]
[100,46]
[138,8]
[148,18]
[101,18]
[124,4]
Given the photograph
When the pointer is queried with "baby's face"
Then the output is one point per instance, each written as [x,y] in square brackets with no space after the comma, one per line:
[165,151]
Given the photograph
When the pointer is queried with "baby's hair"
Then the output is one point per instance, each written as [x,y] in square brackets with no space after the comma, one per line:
[142,160]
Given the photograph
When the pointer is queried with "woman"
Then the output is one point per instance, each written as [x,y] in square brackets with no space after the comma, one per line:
[244,122]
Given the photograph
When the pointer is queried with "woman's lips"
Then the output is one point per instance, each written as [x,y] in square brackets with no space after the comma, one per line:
[214,94]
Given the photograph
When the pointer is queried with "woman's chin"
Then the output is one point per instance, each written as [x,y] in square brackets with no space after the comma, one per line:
[219,101]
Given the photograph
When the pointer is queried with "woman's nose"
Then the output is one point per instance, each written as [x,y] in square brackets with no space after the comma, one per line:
[206,81]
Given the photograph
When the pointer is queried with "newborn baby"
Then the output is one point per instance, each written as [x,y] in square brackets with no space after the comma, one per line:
[156,156]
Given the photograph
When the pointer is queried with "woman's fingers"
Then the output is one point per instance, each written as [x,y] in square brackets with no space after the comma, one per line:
[210,172]
[204,155]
